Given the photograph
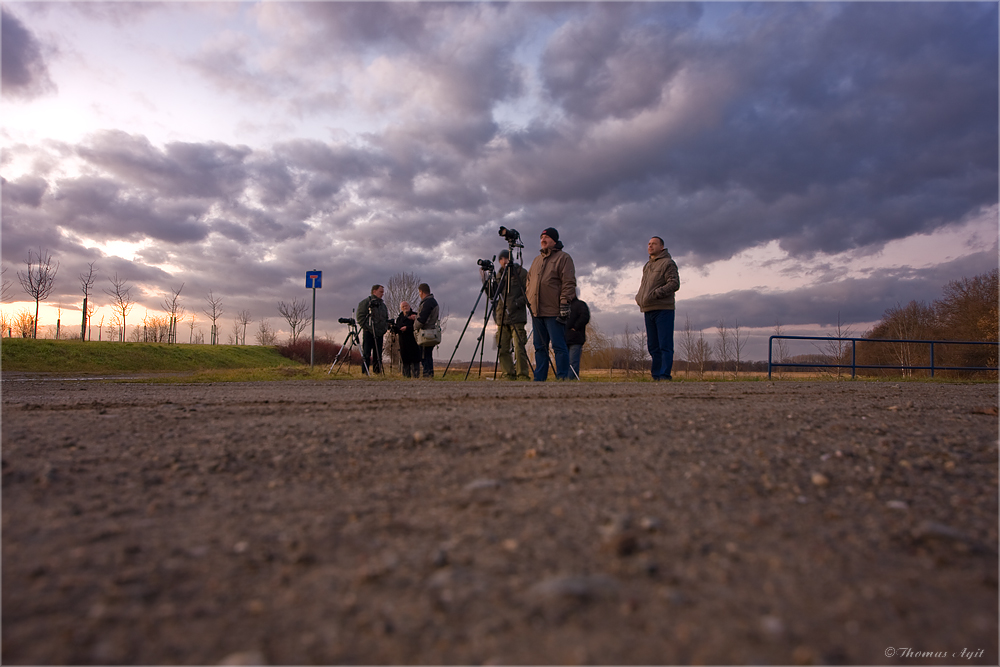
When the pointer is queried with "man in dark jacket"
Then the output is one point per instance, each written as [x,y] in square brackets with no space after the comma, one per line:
[510,314]
[427,318]
[409,351]
[576,333]
[373,320]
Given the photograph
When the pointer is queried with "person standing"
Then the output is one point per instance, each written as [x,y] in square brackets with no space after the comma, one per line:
[373,320]
[409,351]
[510,314]
[576,334]
[427,318]
[551,288]
[660,281]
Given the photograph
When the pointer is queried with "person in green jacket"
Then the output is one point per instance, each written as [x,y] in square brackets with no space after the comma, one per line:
[507,289]
[373,320]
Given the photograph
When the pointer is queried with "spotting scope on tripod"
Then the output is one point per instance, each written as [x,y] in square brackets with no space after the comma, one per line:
[354,337]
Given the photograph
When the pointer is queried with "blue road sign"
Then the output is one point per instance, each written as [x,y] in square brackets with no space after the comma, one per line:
[314,279]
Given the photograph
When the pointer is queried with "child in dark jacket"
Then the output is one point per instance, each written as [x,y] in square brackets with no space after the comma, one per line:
[576,334]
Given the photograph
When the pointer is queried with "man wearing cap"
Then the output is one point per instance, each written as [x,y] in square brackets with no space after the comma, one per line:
[507,289]
[660,281]
[551,288]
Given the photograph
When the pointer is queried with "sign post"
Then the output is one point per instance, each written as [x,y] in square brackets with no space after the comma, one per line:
[314,279]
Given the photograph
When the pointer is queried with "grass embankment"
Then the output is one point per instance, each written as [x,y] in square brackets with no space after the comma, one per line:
[73,356]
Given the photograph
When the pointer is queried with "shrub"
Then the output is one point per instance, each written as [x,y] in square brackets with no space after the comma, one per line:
[325,351]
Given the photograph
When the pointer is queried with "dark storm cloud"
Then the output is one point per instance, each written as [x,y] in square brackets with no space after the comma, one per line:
[27,190]
[180,169]
[615,60]
[833,127]
[848,299]
[25,74]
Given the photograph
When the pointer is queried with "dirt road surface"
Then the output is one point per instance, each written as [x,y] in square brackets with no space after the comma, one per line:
[478,522]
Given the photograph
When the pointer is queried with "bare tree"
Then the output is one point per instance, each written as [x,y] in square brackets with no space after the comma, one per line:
[243,319]
[86,283]
[599,351]
[214,312]
[172,304]
[780,353]
[234,335]
[114,327]
[265,334]
[628,352]
[402,287]
[739,344]
[7,284]
[91,309]
[295,314]
[122,301]
[687,345]
[836,349]
[723,345]
[702,354]
[38,280]
[191,325]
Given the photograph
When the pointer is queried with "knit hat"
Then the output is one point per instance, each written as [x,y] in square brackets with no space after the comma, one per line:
[551,232]
[505,254]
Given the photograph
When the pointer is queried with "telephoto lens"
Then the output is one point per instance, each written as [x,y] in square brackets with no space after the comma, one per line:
[510,234]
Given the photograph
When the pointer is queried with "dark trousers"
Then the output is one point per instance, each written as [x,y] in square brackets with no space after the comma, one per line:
[660,342]
[427,361]
[371,351]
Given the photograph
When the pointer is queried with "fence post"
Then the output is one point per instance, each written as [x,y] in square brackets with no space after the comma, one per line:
[769,342]
[932,358]
[854,358]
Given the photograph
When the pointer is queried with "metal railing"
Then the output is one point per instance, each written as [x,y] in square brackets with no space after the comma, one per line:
[854,366]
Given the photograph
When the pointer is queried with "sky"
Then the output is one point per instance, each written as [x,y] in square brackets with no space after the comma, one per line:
[807,164]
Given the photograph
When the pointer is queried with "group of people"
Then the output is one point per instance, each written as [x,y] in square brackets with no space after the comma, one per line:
[373,320]
[548,293]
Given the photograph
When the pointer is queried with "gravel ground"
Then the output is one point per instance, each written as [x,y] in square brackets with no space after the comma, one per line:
[485,522]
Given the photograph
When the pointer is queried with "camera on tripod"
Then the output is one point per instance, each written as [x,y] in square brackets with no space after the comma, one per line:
[510,234]
[485,264]
[350,321]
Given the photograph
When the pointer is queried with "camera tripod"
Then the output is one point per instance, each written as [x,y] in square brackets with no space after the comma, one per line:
[353,337]
[482,290]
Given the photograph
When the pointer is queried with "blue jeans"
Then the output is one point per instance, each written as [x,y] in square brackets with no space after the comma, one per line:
[546,330]
[575,352]
[660,342]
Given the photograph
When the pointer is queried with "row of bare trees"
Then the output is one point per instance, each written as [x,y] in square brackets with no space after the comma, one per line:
[38,282]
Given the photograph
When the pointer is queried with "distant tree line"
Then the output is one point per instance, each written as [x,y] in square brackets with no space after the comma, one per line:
[38,281]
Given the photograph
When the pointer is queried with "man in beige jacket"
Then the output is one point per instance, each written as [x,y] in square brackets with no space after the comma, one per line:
[660,281]
[551,288]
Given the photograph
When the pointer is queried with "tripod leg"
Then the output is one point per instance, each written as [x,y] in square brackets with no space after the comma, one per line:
[473,312]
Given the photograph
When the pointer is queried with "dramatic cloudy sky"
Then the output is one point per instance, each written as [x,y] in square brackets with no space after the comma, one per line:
[804,162]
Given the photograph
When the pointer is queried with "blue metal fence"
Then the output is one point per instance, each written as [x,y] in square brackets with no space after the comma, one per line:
[854,366]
